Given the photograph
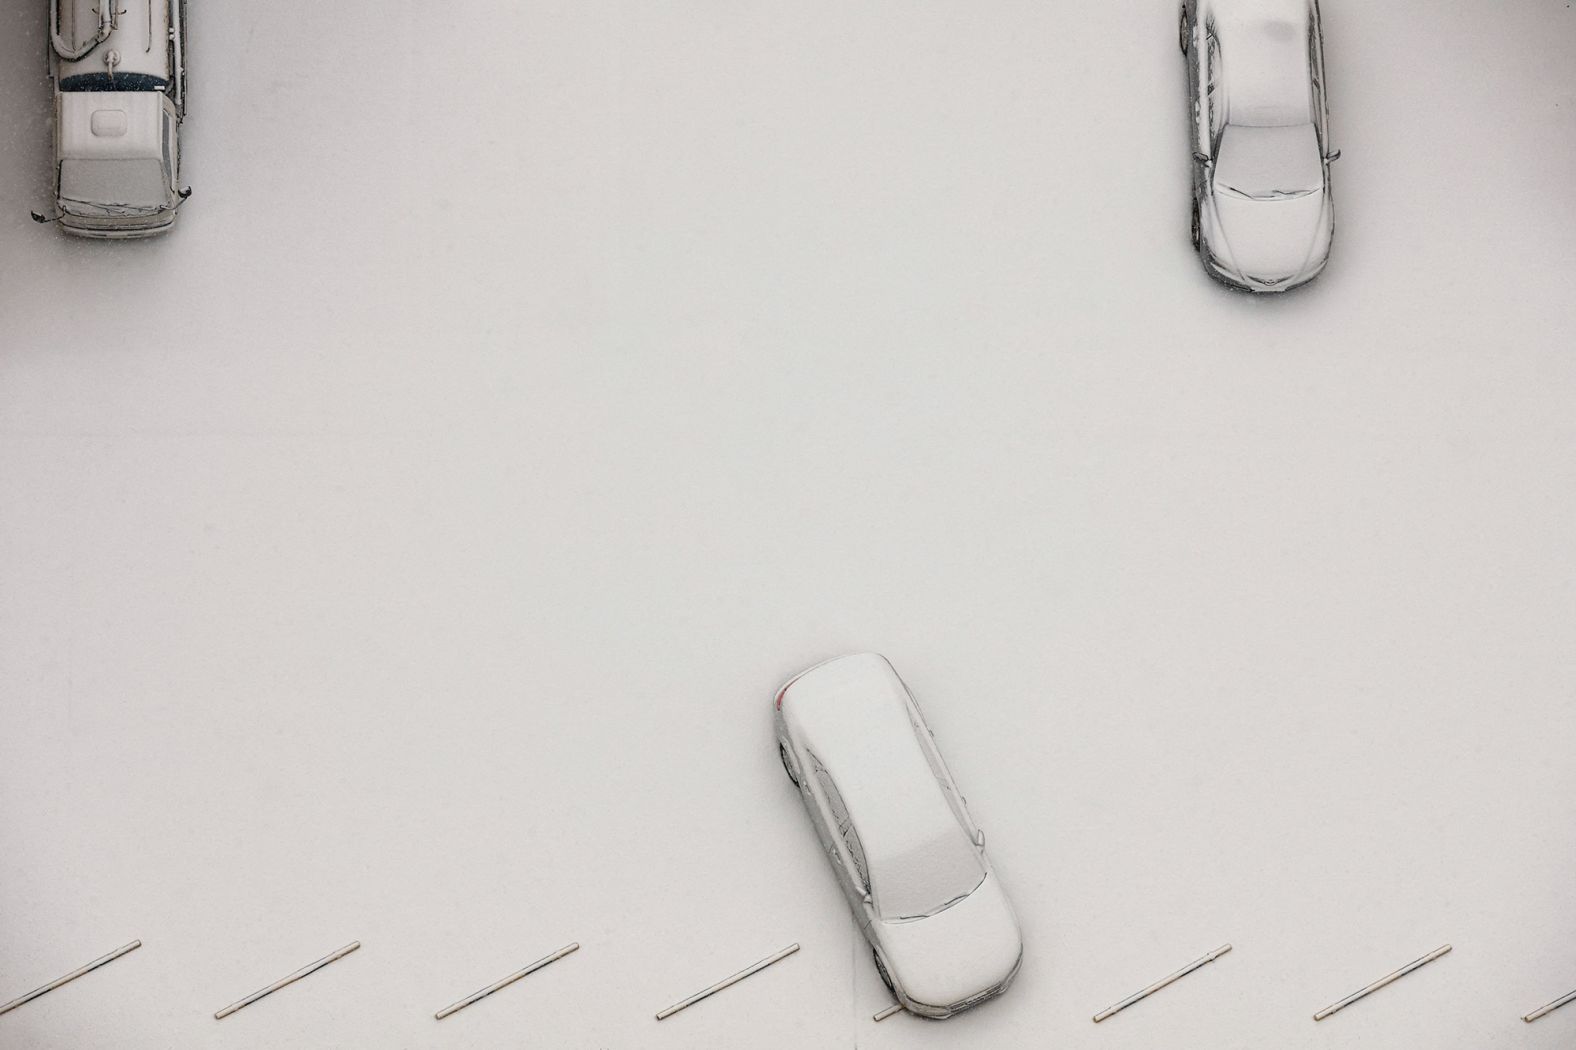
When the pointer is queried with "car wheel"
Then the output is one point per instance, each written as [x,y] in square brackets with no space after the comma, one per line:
[886,978]
[782,753]
[1195,233]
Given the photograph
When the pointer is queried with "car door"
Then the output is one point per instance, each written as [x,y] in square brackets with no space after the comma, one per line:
[1209,110]
[172,158]
[1198,79]
[177,13]
[1321,105]
[811,784]
[1214,115]
[926,737]
[844,846]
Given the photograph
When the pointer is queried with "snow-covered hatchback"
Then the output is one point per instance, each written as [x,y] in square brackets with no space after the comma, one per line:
[119,70]
[908,857]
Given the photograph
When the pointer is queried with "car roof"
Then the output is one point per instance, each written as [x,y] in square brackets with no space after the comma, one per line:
[111,124]
[1250,11]
[1264,54]
[853,716]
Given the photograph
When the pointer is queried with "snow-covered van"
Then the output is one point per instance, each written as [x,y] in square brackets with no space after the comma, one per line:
[120,95]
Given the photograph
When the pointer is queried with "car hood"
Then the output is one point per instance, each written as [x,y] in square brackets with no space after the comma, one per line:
[944,959]
[1270,241]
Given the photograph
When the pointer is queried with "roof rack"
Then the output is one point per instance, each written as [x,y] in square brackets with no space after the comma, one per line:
[106,19]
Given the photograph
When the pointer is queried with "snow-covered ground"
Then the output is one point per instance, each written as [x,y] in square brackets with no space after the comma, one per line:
[406,549]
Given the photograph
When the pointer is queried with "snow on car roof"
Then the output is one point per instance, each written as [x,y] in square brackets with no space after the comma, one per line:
[1265,59]
[852,715]
[107,124]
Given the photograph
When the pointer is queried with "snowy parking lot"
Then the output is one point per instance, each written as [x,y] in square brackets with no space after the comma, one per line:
[407,547]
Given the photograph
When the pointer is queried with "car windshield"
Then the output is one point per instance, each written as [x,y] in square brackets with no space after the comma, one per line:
[114,184]
[927,877]
[1269,163]
[113,82]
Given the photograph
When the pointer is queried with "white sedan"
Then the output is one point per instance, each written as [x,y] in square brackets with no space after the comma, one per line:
[1263,217]
[907,855]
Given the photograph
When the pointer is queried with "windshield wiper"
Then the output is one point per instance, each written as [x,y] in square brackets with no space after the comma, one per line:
[1265,195]
[935,911]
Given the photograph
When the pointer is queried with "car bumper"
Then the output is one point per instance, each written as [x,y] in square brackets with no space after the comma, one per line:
[116,229]
[1245,283]
[941,1013]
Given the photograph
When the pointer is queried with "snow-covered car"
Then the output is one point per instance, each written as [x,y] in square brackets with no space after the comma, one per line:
[1263,217]
[907,855]
[119,70]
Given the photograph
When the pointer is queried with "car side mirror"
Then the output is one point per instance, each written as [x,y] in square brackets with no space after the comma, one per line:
[1333,156]
[1200,157]
[183,194]
[979,837]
